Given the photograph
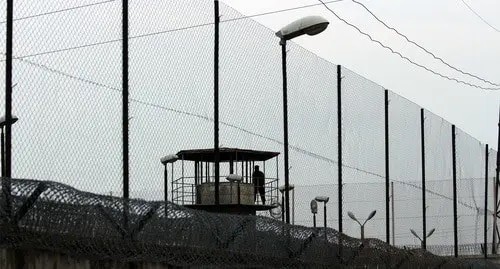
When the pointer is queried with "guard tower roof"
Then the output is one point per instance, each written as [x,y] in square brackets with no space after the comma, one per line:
[226,155]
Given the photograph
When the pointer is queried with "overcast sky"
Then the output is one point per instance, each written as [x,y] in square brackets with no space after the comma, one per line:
[447,28]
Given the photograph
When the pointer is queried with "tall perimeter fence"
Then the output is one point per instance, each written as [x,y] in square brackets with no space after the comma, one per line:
[67,94]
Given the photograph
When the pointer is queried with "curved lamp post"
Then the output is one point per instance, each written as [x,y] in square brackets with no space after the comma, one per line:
[3,123]
[422,240]
[166,160]
[311,25]
[351,215]
[324,200]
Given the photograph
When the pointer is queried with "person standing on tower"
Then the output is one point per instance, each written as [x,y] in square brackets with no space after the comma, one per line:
[258,178]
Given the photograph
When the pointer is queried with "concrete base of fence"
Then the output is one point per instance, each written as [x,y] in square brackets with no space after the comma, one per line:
[33,259]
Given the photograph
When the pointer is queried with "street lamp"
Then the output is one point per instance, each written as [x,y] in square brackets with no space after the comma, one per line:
[166,160]
[3,123]
[351,215]
[311,25]
[421,240]
[314,211]
[282,189]
[324,200]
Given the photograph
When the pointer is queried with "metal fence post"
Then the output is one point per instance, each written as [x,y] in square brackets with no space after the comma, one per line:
[339,142]
[339,145]
[495,192]
[6,181]
[387,199]
[455,217]
[486,156]
[424,215]
[216,101]
[125,114]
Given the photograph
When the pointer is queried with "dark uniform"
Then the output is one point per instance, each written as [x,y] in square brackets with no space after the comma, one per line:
[259,181]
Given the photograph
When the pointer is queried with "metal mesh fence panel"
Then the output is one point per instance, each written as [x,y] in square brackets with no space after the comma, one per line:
[438,148]
[171,78]
[405,165]
[470,189]
[363,150]
[67,93]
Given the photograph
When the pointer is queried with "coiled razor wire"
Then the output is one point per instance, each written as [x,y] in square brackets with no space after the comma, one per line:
[55,217]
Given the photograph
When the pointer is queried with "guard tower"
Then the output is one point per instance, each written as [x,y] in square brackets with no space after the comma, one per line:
[195,188]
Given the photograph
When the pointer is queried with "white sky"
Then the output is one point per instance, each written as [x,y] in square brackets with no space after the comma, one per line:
[446,28]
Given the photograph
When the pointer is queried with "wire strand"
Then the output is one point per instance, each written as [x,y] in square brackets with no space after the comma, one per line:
[480,17]
[60,11]
[423,48]
[406,58]
[159,32]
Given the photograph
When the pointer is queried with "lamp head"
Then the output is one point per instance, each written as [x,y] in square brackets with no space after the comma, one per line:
[431,232]
[371,215]
[3,121]
[351,215]
[311,25]
[415,234]
[314,206]
[169,159]
[323,199]
[281,188]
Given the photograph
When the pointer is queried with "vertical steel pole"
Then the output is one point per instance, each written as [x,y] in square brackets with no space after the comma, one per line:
[387,198]
[172,180]
[285,130]
[339,142]
[422,144]
[494,216]
[282,207]
[339,157]
[486,156]
[8,107]
[495,189]
[325,219]
[2,149]
[393,216]
[165,182]
[293,206]
[216,101]
[455,213]
[125,114]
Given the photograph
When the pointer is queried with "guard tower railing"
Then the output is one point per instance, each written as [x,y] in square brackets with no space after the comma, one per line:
[186,192]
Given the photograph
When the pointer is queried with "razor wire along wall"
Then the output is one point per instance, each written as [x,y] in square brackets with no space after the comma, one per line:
[67,95]
[64,220]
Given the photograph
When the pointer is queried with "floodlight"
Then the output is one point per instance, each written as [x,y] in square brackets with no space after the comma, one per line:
[371,215]
[314,207]
[169,159]
[311,25]
[323,199]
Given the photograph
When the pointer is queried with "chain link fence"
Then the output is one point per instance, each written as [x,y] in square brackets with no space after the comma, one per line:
[67,95]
